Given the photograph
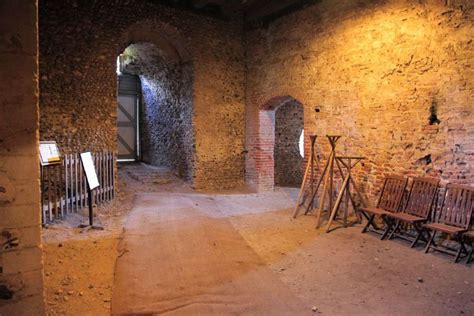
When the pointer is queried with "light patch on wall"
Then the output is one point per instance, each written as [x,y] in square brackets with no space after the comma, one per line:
[119,65]
[301,143]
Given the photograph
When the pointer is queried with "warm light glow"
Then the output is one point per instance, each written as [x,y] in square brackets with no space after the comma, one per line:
[301,143]
[118,66]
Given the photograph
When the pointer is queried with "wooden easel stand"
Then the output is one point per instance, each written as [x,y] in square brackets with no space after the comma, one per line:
[309,171]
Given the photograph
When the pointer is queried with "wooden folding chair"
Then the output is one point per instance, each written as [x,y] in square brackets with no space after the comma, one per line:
[417,210]
[389,201]
[454,218]
[469,236]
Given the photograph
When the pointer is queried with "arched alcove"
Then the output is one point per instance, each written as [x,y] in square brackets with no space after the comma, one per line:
[288,160]
[164,36]
[279,161]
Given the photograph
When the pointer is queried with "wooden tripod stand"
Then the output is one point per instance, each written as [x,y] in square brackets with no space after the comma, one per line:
[328,175]
[328,190]
[304,190]
[348,163]
[328,187]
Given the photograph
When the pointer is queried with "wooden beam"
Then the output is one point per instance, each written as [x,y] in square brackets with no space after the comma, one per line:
[199,4]
[267,11]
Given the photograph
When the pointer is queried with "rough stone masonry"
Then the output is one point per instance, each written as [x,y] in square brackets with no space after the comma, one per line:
[394,77]
[166,114]
[79,45]
[374,72]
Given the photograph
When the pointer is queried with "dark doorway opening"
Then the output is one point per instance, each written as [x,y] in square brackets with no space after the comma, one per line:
[155,109]
[288,154]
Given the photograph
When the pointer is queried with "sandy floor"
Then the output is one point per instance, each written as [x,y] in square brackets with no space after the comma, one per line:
[343,272]
[184,257]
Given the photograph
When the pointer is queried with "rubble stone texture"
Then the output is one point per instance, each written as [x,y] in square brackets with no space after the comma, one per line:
[21,266]
[166,127]
[394,78]
[79,44]
[289,165]
[371,71]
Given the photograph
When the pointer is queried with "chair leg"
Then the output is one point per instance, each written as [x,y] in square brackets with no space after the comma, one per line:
[461,247]
[388,225]
[394,230]
[369,222]
[419,235]
[469,257]
[428,245]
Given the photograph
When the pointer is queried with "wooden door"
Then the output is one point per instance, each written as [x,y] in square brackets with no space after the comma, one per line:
[127,123]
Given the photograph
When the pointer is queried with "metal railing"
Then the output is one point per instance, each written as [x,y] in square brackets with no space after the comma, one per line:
[64,186]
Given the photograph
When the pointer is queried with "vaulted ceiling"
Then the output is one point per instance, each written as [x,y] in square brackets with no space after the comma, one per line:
[255,12]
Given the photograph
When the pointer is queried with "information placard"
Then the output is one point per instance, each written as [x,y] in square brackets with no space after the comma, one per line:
[89,169]
[49,153]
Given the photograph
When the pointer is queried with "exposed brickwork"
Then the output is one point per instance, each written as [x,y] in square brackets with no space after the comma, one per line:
[260,134]
[371,71]
[289,165]
[78,48]
[21,266]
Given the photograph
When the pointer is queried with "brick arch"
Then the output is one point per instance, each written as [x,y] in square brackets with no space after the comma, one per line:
[274,103]
[260,159]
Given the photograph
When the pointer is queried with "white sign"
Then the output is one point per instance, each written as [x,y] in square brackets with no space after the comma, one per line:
[49,153]
[88,165]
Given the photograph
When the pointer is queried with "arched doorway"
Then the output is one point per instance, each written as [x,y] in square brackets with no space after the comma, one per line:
[288,156]
[278,159]
[155,104]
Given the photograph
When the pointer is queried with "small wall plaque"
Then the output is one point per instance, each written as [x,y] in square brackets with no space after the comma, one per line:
[49,153]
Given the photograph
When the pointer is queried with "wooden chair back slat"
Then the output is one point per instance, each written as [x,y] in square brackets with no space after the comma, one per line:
[392,193]
[458,205]
[421,198]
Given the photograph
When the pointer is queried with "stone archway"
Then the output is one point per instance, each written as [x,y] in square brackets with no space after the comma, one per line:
[165,71]
[162,35]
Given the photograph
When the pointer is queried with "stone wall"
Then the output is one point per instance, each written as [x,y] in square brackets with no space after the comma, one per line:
[289,165]
[166,128]
[79,44]
[21,266]
[374,72]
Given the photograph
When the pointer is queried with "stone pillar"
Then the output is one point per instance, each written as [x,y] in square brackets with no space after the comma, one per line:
[21,262]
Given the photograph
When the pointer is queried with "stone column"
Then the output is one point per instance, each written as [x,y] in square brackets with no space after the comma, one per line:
[21,262]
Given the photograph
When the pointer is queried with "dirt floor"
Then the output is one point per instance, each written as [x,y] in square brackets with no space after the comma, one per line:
[79,265]
[343,272]
[182,256]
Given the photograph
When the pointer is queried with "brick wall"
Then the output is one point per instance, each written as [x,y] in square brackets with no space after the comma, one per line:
[371,71]
[21,267]
[79,44]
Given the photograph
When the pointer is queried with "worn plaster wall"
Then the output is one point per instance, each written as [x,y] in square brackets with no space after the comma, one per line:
[79,44]
[373,72]
[289,165]
[21,266]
